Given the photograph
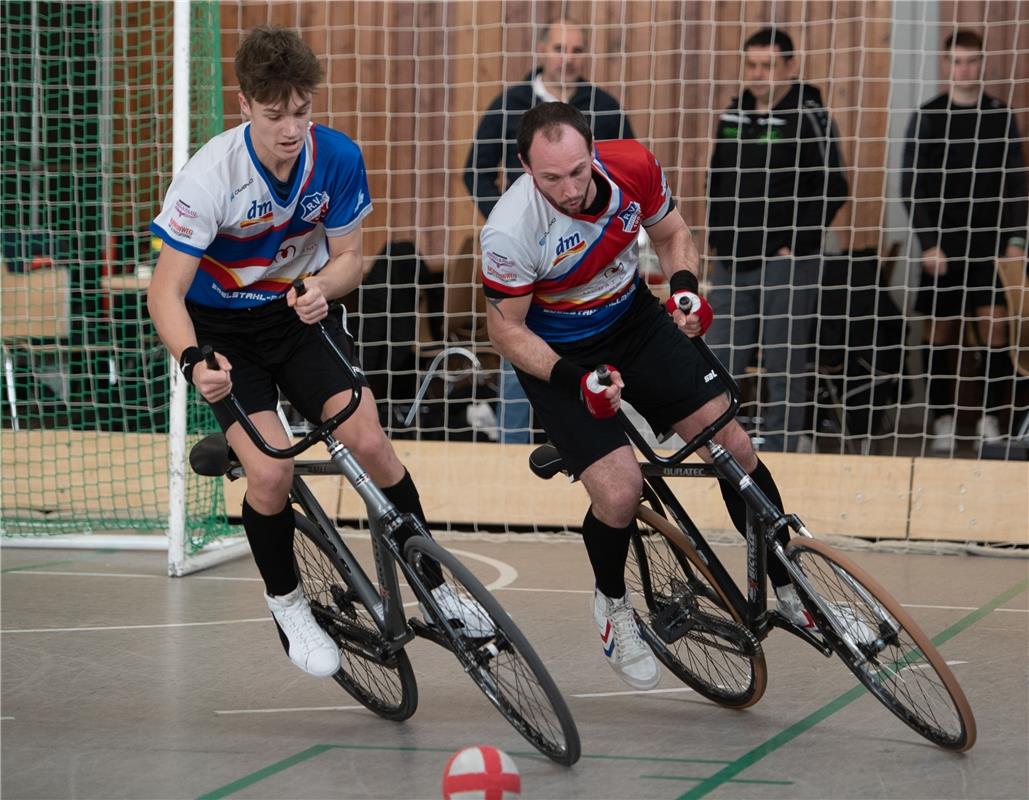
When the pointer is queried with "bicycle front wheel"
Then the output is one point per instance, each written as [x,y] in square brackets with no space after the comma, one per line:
[894,658]
[502,664]
[380,680]
[718,657]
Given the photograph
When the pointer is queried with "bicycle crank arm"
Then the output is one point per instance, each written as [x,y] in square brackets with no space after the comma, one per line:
[777,620]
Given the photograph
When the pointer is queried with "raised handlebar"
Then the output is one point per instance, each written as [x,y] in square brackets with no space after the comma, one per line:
[702,438]
[319,433]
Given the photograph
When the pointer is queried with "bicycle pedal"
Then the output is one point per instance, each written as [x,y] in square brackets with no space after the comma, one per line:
[673,622]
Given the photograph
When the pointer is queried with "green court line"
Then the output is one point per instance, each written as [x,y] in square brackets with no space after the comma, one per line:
[311,752]
[747,760]
[725,775]
[731,780]
[261,774]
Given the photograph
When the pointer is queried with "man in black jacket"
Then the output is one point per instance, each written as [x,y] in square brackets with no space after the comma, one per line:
[964,185]
[776,182]
[561,53]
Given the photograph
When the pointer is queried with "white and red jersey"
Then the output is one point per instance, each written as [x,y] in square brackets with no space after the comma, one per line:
[251,243]
[582,270]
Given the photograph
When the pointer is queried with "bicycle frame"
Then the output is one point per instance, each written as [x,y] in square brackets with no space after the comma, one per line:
[383,517]
[763,518]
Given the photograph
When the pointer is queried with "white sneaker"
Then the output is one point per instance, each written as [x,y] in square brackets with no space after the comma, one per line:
[791,608]
[463,612]
[944,429]
[988,430]
[310,647]
[626,652]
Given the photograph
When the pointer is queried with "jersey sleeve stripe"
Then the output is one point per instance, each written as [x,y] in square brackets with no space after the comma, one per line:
[174,243]
[351,226]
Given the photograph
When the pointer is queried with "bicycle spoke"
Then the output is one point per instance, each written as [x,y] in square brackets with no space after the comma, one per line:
[898,663]
[378,679]
[710,651]
[502,664]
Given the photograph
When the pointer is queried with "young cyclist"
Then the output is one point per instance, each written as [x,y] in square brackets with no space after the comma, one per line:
[275,199]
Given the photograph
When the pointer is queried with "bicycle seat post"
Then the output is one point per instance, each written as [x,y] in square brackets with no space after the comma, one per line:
[379,507]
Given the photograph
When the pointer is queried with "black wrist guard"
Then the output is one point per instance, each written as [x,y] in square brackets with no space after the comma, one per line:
[684,281]
[567,375]
[190,357]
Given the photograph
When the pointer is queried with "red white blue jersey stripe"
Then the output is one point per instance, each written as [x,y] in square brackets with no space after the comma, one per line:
[581,270]
[252,244]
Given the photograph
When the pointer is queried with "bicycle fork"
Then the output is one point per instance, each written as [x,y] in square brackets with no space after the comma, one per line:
[764,521]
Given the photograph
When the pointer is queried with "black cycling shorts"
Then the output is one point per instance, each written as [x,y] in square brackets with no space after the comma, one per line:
[665,378]
[271,349]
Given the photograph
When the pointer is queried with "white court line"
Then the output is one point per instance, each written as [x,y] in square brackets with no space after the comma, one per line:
[906,605]
[136,627]
[508,574]
[83,574]
[633,692]
[288,710]
[3,719]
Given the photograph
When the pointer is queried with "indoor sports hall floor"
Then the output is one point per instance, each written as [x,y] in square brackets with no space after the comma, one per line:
[118,682]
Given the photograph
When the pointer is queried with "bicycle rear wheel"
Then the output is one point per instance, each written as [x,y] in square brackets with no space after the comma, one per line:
[897,663]
[503,665]
[715,655]
[380,680]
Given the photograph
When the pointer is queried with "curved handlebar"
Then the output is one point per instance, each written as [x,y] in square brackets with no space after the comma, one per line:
[320,433]
[705,435]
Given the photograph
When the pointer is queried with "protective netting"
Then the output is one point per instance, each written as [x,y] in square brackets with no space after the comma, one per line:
[87,156]
[87,148]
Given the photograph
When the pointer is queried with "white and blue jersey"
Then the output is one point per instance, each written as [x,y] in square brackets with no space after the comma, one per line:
[252,244]
[582,270]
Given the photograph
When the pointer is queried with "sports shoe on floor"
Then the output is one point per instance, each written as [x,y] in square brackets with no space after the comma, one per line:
[943,434]
[308,646]
[464,613]
[988,430]
[626,652]
[791,608]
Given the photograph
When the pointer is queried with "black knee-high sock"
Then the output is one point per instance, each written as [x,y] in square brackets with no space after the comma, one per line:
[404,495]
[271,542]
[608,549]
[738,514]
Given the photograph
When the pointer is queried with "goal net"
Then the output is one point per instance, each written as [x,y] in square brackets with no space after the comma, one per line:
[87,138]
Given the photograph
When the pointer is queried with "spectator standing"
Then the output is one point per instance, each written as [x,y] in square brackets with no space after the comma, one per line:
[776,182]
[493,163]
[964,185]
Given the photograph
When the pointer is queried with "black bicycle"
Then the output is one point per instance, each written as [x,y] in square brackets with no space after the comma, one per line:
[369,625]
[702,627]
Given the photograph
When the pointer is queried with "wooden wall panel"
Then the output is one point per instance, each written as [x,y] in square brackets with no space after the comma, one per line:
[409,81]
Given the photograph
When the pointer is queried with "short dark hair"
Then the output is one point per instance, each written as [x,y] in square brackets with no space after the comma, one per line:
[548,118]
[964,38]
[272,63]
[771,37]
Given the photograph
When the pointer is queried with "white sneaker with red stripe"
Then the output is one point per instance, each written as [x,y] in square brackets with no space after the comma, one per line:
[791,608]
[626,652]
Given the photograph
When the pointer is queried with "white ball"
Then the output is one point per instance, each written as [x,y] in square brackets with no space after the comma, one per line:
[481,773]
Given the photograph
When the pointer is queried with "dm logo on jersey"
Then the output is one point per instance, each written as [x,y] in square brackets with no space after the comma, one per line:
[315,206]
[630,217]
[568,246]
[257,213]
